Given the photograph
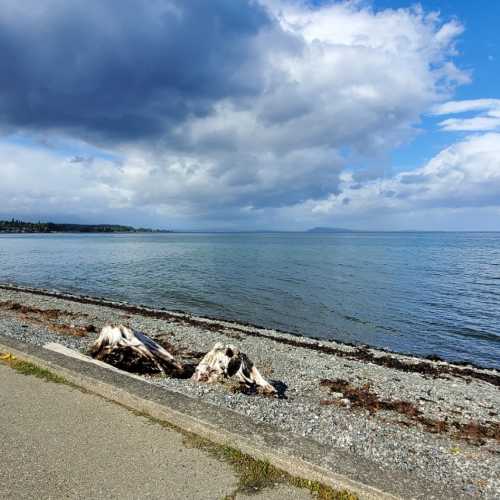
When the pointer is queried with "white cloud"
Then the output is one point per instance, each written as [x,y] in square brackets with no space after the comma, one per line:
[488,120]
[466,174]
[38,180]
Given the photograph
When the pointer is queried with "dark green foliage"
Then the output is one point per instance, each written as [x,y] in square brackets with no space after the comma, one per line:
[18,226]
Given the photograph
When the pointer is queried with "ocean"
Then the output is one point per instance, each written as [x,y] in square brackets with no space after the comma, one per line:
[418,293]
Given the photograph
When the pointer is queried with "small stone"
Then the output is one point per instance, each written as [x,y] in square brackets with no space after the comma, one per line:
[336,395]
[472,490]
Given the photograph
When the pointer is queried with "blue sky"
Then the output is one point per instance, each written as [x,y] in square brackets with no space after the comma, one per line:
[239,114]
[479,53]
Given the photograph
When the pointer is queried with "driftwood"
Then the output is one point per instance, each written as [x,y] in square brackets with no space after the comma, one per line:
[224,362]
[133,351]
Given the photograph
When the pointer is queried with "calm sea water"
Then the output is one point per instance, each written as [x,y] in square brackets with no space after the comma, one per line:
[423,293]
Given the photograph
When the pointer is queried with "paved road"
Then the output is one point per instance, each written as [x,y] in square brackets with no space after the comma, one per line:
[57,442]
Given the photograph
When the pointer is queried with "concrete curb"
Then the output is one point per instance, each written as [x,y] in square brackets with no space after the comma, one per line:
[296,455]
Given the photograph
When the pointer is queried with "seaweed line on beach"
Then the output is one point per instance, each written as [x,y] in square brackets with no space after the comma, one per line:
[364,397]
[358,353]
[48,318]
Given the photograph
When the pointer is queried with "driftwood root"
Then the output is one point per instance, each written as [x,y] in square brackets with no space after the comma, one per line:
[225,361]
[133,351]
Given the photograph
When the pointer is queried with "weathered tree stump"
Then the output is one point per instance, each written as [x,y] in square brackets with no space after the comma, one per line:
[225,361]
[133,351]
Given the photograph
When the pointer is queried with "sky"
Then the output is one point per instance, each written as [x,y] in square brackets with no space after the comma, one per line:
[251,114]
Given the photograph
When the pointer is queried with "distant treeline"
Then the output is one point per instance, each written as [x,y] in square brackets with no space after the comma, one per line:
[18,226]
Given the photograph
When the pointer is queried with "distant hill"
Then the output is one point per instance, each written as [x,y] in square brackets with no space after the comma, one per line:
[330,230]
[18,226]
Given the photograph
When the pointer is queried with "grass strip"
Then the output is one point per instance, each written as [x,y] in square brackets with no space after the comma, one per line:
[27,368]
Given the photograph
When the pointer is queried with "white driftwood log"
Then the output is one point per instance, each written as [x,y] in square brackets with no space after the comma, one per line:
[224,361]
[114,339]
[72,353]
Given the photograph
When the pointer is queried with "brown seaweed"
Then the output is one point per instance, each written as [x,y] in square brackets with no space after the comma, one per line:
[363,397]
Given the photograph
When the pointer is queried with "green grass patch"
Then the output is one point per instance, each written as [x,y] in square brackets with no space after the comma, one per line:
[30,369]
[256,475]
[27,368]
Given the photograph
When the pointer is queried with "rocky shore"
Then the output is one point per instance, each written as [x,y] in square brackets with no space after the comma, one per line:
[433,419]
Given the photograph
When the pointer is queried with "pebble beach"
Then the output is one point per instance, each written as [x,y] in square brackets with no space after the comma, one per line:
[429,418]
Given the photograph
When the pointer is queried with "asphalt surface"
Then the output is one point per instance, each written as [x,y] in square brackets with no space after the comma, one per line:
[58,442]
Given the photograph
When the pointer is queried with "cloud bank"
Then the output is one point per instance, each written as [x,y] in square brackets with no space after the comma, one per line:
[223,112]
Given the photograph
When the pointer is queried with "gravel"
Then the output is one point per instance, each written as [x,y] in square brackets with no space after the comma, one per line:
[388,438]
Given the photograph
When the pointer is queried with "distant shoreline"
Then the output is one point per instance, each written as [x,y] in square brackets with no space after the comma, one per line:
[15,226]
[87,232]
[355,232]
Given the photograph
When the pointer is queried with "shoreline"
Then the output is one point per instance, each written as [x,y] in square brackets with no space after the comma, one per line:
[308,342]
[442,427]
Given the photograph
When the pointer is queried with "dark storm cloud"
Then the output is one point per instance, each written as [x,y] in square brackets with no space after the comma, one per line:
[123,69]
